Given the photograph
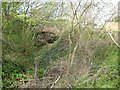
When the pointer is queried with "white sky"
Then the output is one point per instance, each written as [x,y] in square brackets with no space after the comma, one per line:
[113,1]
[111,6]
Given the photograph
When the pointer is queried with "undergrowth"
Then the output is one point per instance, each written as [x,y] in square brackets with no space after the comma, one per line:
[104,71]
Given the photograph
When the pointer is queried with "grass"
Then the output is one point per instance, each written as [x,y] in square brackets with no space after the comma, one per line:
[48,54]
[104,59]
[104,73]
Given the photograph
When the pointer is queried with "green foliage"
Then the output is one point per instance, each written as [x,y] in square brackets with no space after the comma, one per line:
[0,77]
[115,19]
[108,67]
[11,73]
[10,8]
[40,73]
[19,52]
[51,54]
[17,57]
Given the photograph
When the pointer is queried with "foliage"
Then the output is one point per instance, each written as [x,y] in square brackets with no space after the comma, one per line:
[107,77]
[75,51]
[52,53]
[11,73]
[115,19]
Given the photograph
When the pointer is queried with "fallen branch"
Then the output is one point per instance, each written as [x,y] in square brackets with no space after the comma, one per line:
[55,82]
[94,76]
[113,40]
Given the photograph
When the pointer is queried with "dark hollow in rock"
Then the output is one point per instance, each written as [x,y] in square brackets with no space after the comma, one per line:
[42,38]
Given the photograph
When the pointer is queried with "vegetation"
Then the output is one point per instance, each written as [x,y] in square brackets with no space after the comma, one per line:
[44,47]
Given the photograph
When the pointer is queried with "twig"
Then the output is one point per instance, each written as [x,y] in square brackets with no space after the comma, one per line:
[73,54]
[95,75]
[113,39]
[55,82]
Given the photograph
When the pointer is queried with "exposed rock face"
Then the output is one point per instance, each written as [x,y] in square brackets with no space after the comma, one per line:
[42,38]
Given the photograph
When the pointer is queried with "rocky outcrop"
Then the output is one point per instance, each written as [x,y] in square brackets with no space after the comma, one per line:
[43,37]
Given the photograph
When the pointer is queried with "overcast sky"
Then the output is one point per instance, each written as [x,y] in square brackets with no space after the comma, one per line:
[111,6]
[112,1]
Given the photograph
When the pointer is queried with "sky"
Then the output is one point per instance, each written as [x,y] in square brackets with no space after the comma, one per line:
[111,6]
[112,1]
